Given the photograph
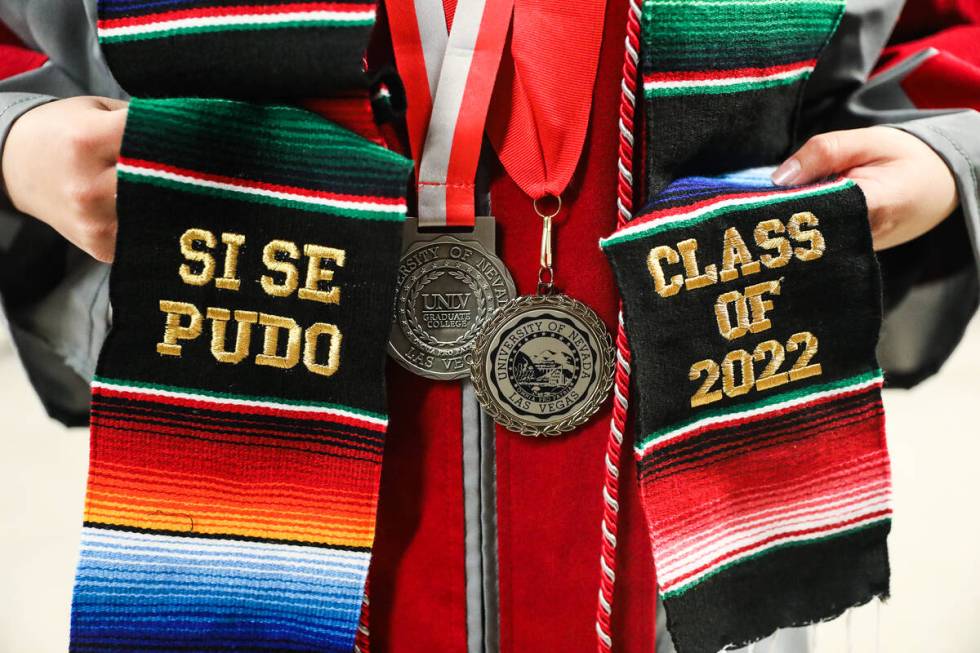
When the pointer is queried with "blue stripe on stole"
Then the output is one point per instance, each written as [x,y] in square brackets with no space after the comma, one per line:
[692,189]
[182,591]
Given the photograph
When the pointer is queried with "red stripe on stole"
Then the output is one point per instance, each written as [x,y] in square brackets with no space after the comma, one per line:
[233,409]
[231,436]
[240,10]
[707,75]
[780,465]
[740,419]
[733,507]
[242,465]
[148,472]
[778,434]
[225,420]
[115,472]
[260,185]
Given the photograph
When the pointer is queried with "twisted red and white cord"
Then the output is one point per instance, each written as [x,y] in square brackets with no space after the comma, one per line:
[617,424]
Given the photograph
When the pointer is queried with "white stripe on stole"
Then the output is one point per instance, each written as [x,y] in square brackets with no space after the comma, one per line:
[235,401]
[154,545]
[243,187]
[242,19]
[727,535]
[729,81]
[857,518]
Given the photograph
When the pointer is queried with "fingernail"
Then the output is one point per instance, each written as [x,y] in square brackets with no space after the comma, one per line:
[787,173]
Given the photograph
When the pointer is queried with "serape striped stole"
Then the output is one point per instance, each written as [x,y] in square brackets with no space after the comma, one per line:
[238,415]
[251,49]
[752,314]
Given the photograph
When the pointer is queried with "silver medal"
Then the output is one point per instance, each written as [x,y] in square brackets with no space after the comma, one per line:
[447,288]
[542,365]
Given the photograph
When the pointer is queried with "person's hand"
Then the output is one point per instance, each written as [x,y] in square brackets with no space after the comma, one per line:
[909,189]
[59,166]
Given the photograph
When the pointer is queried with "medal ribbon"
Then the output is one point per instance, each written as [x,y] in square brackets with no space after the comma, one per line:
[449,80]
[540,108]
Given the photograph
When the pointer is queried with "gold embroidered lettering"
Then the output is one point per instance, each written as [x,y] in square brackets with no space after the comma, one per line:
[243,335]
[802,368]
[704,394]
[313,334]
[758,306]
[695,279]
[270,351]
[796,231]
[723,315]
[770,376]
[187,241]
[315,274]
[735,252]
[654,265]
[779,243]
[743,360]
[174,330]
[229,280]
[770,352]
[271,257]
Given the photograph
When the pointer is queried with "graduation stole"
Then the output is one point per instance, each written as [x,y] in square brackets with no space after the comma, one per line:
[238,413]
[752,313]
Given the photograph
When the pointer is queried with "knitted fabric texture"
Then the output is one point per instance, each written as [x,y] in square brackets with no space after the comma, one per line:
[753,314]
[255,49]
[238,414]
[722,80]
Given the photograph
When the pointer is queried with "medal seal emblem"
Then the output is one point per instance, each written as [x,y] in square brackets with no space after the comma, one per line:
[542,365]
[447,288]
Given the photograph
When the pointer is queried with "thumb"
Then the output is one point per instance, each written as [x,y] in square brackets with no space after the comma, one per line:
[112,104]
[825,155]
[110,126]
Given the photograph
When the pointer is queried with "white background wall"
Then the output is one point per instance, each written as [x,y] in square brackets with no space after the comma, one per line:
[934,434]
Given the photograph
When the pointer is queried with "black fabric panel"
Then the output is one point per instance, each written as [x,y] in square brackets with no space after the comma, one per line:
[707,55]
[151,221]
[707,135]
[297,62]
[782,588]
[835,297]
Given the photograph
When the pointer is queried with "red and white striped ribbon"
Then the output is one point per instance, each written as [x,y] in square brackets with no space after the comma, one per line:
[448,81]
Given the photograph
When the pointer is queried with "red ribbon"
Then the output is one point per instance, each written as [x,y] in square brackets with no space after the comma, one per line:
[539,112]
